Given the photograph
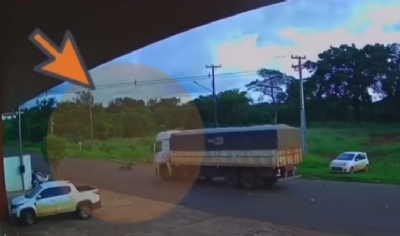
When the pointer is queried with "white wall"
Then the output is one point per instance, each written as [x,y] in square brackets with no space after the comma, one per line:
[13,178]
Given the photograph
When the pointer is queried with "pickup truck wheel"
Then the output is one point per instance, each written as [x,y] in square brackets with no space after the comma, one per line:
[84,210]
[27,217]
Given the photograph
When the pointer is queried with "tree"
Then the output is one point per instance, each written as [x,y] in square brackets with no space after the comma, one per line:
[271,85]
[347,84]
[347,73]
[53,150]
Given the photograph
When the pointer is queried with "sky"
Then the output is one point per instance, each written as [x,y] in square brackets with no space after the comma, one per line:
[242,44]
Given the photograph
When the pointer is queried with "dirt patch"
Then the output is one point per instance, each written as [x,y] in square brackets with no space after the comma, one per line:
[122,208]
[383,139]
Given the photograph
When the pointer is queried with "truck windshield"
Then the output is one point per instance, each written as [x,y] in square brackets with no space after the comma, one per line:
[158,147]
[33,192]
[345,157]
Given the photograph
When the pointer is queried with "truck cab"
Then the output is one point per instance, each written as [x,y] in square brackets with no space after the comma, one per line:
[161,149]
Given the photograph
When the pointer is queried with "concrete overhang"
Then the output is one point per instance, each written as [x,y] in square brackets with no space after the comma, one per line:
[103,30]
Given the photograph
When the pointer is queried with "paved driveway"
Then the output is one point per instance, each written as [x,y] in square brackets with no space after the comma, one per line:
[125,215]
[353,208]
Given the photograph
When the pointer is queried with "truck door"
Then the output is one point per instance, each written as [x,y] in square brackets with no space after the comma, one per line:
[65,202]
[158,153]
[46,202]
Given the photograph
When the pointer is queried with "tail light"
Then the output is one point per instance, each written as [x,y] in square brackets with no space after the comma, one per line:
[96,192]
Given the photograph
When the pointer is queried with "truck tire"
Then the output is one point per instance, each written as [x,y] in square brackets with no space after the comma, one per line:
[84,210]
[184,174]
[164,174]
[269,182]
[232,178]
[248,179]
[27,217]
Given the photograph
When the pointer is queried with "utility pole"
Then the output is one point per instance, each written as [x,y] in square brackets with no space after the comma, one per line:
[51,125]
[213,67]
[91,100]
[299,68]
[21,158]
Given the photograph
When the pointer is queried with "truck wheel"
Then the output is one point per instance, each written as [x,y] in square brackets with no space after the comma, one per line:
[187,175]
[231,178]
[248,179]
[164,173]
[27,217]
[84,210]
[269,183]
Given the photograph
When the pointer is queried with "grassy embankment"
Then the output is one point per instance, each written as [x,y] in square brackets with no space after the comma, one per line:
[384,153]
[323,144]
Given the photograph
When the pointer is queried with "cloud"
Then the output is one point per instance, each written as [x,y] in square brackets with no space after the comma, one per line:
[365,25]
[131,80]
[266,37]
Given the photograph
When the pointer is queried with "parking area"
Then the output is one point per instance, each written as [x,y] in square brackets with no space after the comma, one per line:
[125,215]
[136,202]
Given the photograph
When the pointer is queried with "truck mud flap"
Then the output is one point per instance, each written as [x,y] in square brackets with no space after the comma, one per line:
[289,178]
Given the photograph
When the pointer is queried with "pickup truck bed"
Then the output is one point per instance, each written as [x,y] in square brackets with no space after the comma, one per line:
[85,188]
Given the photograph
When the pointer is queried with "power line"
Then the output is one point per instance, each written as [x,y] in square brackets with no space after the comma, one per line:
[154,82]
[213,67]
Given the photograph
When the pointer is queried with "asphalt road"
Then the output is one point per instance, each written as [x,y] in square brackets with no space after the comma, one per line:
[350,208]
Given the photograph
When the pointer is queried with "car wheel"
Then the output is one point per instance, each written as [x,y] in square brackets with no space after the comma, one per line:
[84,210]
[351,170]
[27,217]
[366,169]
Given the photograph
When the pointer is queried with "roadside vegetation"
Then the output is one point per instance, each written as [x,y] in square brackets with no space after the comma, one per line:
[341,114]
[381,142]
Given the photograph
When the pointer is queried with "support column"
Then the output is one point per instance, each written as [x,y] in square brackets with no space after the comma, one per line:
[4,67]
[3,193]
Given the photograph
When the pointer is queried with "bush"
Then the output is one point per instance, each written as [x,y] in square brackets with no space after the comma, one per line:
[54,151]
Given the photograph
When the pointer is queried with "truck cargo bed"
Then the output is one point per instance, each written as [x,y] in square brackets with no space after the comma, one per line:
[266,158]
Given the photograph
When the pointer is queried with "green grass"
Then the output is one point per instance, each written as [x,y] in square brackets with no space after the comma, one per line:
[120,150]
[323,144]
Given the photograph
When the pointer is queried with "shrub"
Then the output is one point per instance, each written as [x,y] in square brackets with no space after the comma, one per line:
[54,151]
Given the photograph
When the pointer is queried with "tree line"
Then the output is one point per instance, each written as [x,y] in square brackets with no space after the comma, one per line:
[347,84]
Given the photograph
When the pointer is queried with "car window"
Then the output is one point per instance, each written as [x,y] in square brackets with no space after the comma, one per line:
[49,192]
[65,190]
[54,192]
[361,157]
[158,147]
[345,157]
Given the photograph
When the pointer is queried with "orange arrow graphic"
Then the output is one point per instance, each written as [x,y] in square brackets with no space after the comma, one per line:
[65,62]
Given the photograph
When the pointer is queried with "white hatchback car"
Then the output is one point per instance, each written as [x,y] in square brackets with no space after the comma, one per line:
[350,162]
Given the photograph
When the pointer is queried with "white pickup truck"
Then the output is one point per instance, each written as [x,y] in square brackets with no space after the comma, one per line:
[53,198]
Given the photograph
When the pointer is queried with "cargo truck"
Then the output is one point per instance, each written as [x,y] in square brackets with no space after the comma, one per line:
[249,157]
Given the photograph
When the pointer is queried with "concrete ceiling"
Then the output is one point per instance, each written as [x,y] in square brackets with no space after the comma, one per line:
[103,30]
